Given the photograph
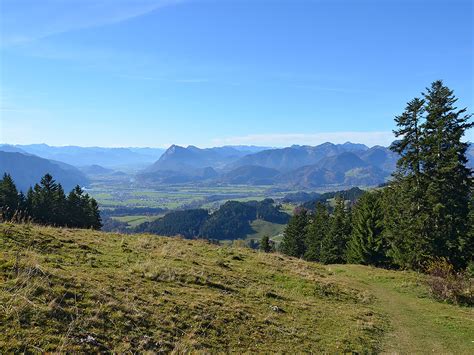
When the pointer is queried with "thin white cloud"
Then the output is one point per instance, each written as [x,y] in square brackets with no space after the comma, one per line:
[165,79]
[192,81]
[287,139]
[28,20]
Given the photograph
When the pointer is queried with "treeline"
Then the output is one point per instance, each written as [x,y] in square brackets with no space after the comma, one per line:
[187,223]
[231,221]
[425,213]
[350,195]
[311,199]
[46,203]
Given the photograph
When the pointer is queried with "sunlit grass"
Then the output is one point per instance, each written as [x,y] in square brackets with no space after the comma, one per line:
[85,291]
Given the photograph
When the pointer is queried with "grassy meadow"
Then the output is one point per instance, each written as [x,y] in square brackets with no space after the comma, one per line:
[81,290]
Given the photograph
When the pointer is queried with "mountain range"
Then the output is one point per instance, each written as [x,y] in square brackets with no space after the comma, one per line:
[324,165]
[346,164]
[137,158]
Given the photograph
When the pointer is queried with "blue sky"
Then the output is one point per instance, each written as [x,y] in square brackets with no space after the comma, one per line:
[273,73]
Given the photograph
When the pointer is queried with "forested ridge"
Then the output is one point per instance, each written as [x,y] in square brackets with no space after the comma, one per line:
[230,221]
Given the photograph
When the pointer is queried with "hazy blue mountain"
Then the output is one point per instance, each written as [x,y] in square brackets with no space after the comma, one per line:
[381,157]
[250,175]
[181,159]
[310,176]
[365,176]
[341,163]
[305,166]
[107,157]
[27,169]
[354,147]
[343,169]
[95,170]
[11,149]
[248,149]
[294,157]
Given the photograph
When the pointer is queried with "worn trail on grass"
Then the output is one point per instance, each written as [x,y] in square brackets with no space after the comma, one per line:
[417,323]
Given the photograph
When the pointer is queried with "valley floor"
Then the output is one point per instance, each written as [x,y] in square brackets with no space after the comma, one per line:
[81,290]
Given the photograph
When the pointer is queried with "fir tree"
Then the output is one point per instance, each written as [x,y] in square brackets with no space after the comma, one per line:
[408,145]
[9,198]
[426,207]
[43,201]
[294,236]
[406,212]
[448,179]
[333,248]
[403,226]
[29,202]
[469,244]
[367,244]
[58,214]
[317,231]
[93,214]
[266,244]
[74,208]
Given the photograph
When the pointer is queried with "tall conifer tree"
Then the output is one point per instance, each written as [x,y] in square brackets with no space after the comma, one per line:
[406,227]
[426,208]
[367,244]
[294,236]
[9,197]
[333,248]
[449,180]
[317,231]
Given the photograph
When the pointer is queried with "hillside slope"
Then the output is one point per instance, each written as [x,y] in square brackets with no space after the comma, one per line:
[107,157]
[27,170]
[81,290]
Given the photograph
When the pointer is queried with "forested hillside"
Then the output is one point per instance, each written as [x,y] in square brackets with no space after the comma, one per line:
[27,169]
[230,221]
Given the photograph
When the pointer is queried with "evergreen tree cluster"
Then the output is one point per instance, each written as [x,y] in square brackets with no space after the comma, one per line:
[266,244]
[425,213]
[319,236]
[428,203]
[46,203]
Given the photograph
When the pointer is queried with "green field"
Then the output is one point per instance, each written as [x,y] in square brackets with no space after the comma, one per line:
[177,196]
[65,290]
[264,228]
[134,221]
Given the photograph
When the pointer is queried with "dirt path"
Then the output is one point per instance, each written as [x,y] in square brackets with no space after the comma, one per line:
[418,324]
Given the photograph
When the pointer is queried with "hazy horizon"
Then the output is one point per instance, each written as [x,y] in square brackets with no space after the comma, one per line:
[194,145]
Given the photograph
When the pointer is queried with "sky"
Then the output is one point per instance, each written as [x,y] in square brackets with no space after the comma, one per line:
[225,72]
